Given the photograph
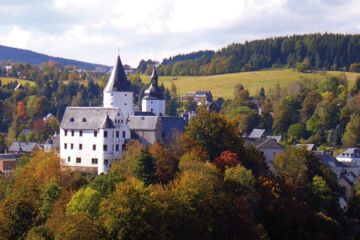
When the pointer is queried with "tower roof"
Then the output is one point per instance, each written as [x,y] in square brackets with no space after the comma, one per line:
[107,123]
[117,81]
[152,90]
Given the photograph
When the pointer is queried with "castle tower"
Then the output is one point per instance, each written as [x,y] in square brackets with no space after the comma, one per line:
[153,100]
[117,92]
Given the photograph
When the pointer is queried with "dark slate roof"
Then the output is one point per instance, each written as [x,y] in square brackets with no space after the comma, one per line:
[263,143]
[276,138]
[9,156]
[26,131]
[107,123]
[257,133]
[87,117]
[139,113]
[172,124]
[330,161]
[143,122]
[22,147]
[117,81]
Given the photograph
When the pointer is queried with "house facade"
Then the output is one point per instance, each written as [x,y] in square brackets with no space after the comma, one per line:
[92,138]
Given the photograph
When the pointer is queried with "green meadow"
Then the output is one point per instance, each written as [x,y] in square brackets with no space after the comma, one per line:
[223,85]
[6,80]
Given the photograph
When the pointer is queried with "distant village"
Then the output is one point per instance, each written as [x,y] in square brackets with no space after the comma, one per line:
[92,138]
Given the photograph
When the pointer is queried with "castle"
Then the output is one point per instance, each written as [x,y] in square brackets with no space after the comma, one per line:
[92,138]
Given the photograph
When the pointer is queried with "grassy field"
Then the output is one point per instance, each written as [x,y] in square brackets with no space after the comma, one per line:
[6,80]
[223,85]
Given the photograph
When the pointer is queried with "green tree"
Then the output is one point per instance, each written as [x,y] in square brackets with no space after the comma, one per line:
[144,168]
[351,137]
[52,193]
[86,200]
[215,134]
[130,212]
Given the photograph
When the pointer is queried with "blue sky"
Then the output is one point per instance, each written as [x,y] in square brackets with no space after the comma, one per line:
[94,30]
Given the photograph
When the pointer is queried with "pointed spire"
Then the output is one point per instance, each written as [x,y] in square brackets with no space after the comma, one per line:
[154,77]
[117,81]
[107,122]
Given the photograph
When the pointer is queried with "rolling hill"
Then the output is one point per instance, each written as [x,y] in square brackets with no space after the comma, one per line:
[223,85]
[24,56]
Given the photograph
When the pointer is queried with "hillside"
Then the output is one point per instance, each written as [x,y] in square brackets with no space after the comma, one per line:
[320,51]
[223,85]
[24,56]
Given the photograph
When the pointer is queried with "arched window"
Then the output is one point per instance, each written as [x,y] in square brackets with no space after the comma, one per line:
[84,120]
[72,119]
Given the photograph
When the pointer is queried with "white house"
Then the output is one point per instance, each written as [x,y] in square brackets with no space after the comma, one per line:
[92,138]
[350,155]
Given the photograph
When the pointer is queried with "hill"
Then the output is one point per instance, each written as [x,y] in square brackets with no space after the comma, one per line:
[320,51]
[24,56]
[223,85]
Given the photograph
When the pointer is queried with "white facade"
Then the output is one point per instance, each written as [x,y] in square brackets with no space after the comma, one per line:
[157,106]
[96,149]
[123,100]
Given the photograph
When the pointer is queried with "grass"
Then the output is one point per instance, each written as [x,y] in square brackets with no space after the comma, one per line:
[6,80]
[223,85]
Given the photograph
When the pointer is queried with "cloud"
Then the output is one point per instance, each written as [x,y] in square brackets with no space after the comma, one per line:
[93,30]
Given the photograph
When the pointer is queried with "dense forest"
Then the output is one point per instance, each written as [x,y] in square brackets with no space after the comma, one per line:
[320,51]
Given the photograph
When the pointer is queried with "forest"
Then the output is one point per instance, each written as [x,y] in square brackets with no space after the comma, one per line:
[326,51]
[205,184]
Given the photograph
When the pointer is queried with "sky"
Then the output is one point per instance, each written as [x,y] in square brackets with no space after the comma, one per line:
[96,30]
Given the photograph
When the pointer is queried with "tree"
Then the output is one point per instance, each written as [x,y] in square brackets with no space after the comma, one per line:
[130,212]
[52,193]
[262,92]
[21,110]
[351,137]
[165,162]
[215,134]
[189,104]
[226,160]
[354,67]
[74,76]
[86,200]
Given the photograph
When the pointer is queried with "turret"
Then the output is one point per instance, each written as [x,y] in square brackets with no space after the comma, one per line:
[117,92]
[153,100]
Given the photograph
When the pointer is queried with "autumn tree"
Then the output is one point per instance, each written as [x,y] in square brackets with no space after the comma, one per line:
[21,110]
[351,137]
[226,160]
[215,134]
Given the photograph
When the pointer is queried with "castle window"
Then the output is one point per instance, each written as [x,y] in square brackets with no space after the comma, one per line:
[80,133]
[80,146]
[95,133]
[117,134]
[117,147]
[112,103]
[72,119]
[84,120]
[72,146]
[106,162]
[151,110]
[124,134]
[94,147]
[151,102]
[69,159]
[122,121]
[125,103]
[112,94]
[65,132]
[123,146]
[65,145]
[94,160]
[72,133]
[125,95]
[105,134]
[78,160]
[105,147]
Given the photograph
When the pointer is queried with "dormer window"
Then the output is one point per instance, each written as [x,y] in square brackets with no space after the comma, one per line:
[72,119]
[125,95]
[84,120]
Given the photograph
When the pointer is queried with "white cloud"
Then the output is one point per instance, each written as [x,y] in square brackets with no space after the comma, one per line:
[17,38]
[93,30]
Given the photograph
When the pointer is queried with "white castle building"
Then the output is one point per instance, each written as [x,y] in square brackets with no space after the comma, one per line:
[92,138]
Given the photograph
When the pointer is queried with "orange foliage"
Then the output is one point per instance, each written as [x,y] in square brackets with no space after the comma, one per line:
[226,160]
[21,110]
